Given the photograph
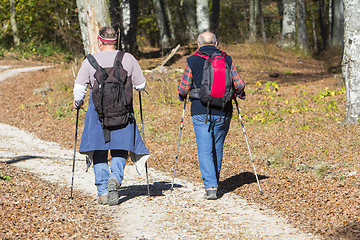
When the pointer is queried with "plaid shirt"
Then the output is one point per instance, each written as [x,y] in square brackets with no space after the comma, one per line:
[186,81]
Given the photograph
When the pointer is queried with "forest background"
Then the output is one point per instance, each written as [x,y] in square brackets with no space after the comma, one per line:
[43,27]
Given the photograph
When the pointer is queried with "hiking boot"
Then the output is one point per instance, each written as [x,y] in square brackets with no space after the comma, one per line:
[210,194]
[113,187]
[103,199]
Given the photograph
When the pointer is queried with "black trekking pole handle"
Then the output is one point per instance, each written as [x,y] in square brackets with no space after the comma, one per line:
[143,136]
[247,143]
[177,152]
[73,167]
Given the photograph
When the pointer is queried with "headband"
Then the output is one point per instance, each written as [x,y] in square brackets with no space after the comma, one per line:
[108,40]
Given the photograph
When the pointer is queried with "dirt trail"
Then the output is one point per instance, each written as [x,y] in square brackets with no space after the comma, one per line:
[178,214]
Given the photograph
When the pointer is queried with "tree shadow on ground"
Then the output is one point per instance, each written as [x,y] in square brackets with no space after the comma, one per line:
[156,190]
[287,79]
[234,182]
[28,157]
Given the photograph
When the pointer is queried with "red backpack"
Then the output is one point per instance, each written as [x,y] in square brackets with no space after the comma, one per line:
[217,88]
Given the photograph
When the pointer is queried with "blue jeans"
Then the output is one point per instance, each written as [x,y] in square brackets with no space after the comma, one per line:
[210,139]
[101,168]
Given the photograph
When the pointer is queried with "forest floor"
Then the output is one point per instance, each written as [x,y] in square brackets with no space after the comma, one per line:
[307,161]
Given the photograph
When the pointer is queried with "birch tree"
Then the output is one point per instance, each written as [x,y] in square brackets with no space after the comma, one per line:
[202,15]
[252,21]
[351,60]
[337,24]
[13,23]
[302,33]
[288,34]
[125,24]
[93,14]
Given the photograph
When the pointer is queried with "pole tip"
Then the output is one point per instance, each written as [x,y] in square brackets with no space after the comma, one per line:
[261,192]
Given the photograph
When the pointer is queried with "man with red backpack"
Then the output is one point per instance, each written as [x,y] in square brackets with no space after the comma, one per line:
[212,81]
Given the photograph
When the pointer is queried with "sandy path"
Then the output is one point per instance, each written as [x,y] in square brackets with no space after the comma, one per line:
[178,214]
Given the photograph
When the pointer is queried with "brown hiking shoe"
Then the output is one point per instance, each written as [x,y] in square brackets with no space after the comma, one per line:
[113,188]
[103,199]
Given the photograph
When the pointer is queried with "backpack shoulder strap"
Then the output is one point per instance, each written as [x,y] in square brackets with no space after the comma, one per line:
[119,57]
[92,61]
[202,54]
[223,54]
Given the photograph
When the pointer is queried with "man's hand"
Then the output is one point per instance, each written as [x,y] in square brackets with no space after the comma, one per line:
[242,95]
[181,97]
[78,103]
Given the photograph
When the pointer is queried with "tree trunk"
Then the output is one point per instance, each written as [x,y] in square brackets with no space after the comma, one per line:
[351,60]
[330,18]
[115,14]
[289,24]
[170,19]
[323,29]
[161,23]
[93,14]
[190,17]
[180,23]
[128,29]
[313,28]
[252,21]
[337,24]
[202,15]
[134,10]
[125,24]
[116,18]
[262,23]
[13,23]
[215,13]
[302,34]
[281,13]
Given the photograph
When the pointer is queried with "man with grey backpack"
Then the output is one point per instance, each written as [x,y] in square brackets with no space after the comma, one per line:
[212,81]
[110,128]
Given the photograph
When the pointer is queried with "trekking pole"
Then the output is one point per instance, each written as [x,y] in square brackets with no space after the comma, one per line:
[247,143]
[143,136]
[73,167]
[177,153]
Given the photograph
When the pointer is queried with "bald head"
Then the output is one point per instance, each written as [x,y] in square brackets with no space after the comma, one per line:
[207,38]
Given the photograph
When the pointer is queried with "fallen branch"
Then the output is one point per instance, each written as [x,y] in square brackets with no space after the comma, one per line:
[169,56]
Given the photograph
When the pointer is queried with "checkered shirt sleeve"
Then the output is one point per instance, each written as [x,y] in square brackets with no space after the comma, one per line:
[239,83]
[185,82]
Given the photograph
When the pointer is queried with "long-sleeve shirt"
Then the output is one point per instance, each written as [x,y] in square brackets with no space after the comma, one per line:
[85,76]
[193,76]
